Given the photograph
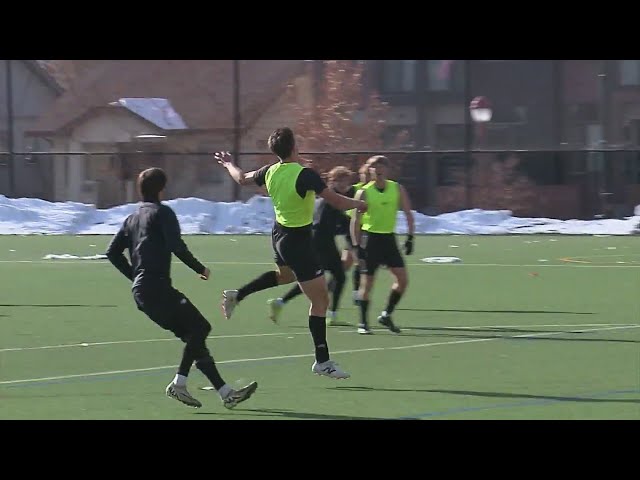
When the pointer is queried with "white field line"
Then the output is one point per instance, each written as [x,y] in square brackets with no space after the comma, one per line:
[454,265]
[281,357]
[288,334]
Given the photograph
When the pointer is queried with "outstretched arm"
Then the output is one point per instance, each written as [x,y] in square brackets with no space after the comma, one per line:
[341,202]
[240,177]
[115,253]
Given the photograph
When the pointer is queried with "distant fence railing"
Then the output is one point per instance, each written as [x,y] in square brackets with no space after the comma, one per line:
[561,183]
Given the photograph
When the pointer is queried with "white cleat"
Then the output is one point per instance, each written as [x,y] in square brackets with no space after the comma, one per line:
[364,329]
[234,397]
[275,308]
[332,318]
[229,302]
[181,394]
[329,369]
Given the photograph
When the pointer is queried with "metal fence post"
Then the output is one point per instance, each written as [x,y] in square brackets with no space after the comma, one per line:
[236,122]
[10,130]
[468,138]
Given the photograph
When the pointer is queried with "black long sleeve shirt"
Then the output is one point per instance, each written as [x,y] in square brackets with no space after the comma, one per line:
[150,235]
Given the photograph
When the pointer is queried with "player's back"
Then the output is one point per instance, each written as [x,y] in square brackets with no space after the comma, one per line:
[149,249]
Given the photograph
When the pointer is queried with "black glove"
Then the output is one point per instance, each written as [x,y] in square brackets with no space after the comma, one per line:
[408,245]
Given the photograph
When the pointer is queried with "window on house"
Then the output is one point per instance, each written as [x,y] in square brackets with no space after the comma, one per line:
[445,75]
[399,136]
[632,167]
[629,72]
[451,169]
[4,141]
[398,76]
[450,137]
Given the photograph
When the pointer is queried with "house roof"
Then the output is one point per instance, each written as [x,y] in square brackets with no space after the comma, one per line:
[200,91]
[158,111]
[41,70]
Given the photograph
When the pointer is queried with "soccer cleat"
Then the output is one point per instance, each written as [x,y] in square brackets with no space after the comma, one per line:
[238,396]
[385,321]
[181,394]
[275,308]
[332,318]
[229,302]
[329,369]
[364,329]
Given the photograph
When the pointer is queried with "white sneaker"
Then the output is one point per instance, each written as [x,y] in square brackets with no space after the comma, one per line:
[329,369]
[275,308]
[364,329]
[229,302]
[332,318]
[181,394]
[234,397]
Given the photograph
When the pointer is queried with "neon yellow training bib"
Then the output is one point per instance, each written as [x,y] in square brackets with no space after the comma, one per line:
[291,210]
[382,208]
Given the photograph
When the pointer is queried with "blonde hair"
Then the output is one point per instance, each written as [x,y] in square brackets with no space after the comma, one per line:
[339,172]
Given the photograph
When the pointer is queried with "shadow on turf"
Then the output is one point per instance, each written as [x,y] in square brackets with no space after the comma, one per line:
[268,412]
[492,394]
[57,305]
[491,311]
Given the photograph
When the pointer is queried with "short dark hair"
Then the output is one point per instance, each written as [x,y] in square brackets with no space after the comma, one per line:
[281,142]
[150,183]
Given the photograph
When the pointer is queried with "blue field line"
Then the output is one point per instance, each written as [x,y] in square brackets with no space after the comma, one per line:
[528,403]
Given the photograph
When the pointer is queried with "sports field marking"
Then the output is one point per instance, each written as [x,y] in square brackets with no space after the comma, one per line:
[305,355]
[584,259]
[150,340]
[284,334]
[436,265]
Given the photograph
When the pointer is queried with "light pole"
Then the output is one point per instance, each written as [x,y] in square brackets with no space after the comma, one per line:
[481,112]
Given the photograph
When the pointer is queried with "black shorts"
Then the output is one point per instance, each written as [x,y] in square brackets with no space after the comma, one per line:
[380,249]
[328,254]
[170,309]
[293,248]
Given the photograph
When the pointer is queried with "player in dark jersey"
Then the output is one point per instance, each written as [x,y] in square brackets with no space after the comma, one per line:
[151,235]
[328,222]
[293,189]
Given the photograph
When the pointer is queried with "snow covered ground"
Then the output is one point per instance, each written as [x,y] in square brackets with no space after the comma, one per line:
[26,216]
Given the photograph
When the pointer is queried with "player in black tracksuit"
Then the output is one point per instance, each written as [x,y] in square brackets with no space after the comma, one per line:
[328,222]
[151,235]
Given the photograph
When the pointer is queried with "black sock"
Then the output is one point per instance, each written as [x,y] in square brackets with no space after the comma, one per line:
[208,367]
[318,328]
[356,278]
[264,281]
[394,298]
[364,307]
[293,293]
[186,363]
[338,285]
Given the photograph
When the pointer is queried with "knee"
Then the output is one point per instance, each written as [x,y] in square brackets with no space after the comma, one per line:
[200,332]
[321,301]
[340,276]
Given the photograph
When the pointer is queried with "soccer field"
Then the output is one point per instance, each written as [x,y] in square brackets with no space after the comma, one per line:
[526,327]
